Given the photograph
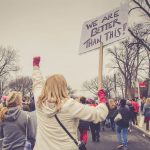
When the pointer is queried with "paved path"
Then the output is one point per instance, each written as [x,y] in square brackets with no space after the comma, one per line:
[143,128]
[109,142]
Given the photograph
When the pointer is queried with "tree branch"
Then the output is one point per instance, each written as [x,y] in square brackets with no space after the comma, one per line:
[142,8]
[133,9]
[148,4]
[140,40]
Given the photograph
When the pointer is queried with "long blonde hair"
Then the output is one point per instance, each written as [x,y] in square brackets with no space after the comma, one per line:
[112,103]
[148,101]
[14,99]
[54,91]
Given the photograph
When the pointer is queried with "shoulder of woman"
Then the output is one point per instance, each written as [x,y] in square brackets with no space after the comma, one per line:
[24,114]
[70,102]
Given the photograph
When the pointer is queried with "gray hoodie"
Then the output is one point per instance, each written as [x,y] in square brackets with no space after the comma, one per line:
[13,130]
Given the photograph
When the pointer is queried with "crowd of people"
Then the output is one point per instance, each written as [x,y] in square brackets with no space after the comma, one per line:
[129,110]
[51,120]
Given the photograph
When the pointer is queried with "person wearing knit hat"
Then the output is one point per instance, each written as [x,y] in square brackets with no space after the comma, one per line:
[14,122]
[14,99]
[4,99]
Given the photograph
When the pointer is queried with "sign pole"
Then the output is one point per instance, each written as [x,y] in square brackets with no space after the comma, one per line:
[100,70]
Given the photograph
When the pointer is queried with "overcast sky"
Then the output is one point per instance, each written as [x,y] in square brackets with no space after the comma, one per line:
[52,29]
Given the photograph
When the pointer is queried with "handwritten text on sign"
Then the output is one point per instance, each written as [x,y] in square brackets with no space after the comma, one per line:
[108,28]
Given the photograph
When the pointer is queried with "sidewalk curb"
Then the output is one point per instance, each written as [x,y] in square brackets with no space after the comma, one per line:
[142,131]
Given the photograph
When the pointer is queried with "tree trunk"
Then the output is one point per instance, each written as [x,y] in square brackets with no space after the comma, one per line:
[129,92]
[122,90]
[126,88]
[149,70]
[136,72]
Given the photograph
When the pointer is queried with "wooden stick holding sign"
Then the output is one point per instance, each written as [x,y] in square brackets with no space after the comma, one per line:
[100,70]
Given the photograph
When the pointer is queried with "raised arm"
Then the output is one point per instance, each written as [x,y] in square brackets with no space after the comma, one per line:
[37,78]
[89,113]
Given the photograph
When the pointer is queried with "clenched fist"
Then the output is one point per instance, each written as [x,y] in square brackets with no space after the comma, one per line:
[36,61]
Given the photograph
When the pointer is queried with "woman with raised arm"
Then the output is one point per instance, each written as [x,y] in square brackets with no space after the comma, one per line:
[53,102]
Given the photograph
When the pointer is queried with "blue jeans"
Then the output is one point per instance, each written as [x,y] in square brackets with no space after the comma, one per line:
[122,135]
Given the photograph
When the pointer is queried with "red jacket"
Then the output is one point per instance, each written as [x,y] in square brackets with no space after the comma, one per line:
[135,105]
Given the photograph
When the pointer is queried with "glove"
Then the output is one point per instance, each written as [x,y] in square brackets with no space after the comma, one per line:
[101,96]
[36,61]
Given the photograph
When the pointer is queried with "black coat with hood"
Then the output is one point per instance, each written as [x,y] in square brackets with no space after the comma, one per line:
[126,116]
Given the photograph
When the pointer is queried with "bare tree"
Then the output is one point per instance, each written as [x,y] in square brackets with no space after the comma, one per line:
[143,31]
[148,68]
[8,64]
[125,61]
[108,84]
[8,60]
[4,85]
[92,85]
[120,84]
[22,84]
[144,6]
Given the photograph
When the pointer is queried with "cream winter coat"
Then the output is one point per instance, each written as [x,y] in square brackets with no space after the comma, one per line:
[50,136]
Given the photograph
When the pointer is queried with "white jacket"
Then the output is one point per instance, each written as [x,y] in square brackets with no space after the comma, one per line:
[50,135]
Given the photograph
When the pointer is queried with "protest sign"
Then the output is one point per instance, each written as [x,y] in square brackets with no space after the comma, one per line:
[105,29]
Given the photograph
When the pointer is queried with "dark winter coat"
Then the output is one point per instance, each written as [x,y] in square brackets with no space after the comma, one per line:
[146,110]
[131,108]
[83,125]
[125,113]
[112,112]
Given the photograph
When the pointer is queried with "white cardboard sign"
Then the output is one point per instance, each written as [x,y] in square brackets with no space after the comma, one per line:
[105,29]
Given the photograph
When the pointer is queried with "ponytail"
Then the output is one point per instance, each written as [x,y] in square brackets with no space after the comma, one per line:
[3,111]
[14,99]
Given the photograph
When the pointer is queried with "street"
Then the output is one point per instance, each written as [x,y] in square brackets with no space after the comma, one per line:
[108,141]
